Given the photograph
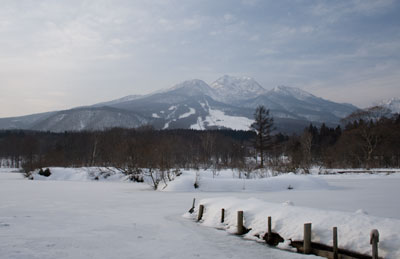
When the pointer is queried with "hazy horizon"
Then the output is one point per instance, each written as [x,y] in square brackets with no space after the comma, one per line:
[64,54]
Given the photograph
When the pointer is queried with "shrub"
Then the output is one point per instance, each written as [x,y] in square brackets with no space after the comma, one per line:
[45,173]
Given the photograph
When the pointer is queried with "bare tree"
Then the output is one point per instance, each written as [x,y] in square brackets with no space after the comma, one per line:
[366,130]
[263,126]
[374,113]
[306,143]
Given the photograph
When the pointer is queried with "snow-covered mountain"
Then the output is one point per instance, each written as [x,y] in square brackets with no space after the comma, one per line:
[88,118]
[228,88]
[393,104]
[229,102]
[294,103]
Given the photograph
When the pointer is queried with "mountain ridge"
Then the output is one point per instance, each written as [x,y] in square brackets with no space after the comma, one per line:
[228,102]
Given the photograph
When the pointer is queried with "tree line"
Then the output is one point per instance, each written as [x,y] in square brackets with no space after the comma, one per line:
[126,148]
[365,141]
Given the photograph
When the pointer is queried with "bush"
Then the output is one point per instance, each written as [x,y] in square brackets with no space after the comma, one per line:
[45,173]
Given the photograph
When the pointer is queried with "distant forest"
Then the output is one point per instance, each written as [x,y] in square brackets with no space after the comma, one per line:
[360,144]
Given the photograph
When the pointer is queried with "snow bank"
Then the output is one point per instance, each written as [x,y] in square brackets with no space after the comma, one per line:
[316,170]
[224,182]
[287,220]
[9,170]
[81,174]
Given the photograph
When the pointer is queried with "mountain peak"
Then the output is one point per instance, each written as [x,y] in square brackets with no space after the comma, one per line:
[234,88]
[236,82]
[193,87]
[193,83]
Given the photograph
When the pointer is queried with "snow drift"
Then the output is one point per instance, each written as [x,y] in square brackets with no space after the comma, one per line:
[287,220]
[225,181]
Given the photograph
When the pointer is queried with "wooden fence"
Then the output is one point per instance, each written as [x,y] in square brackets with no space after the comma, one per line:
[306,245]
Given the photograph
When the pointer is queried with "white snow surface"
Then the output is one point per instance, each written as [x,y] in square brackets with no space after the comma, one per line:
[66,219]
[229,88]
[70,216]
[220,119]
[287,220]
[393,104]
[224,182]
[172,108]
[187,114]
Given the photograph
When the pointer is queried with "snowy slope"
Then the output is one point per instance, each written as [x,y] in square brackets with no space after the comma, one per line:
[294,103]
[192,88]
[393,104]
[219,119]
[90,119]
[23,122]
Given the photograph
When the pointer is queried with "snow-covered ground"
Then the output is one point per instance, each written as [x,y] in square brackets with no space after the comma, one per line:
[353,227]
[103,219]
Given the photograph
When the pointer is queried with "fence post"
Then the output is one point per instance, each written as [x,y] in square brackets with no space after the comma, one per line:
[374,239]
[201,210]
[269,229]
[222,215]
[192,208]
[240,227]
[335,243]
[307,238]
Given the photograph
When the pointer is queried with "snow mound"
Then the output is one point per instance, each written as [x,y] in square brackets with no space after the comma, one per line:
[353,228]
[81,174]
[224,182]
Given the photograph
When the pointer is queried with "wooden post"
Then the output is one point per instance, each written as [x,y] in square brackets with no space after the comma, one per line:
[307,238]
[269,230]
[192,208]
[222,215]
[240,227]
[374,239]
[335,243]
[201,211]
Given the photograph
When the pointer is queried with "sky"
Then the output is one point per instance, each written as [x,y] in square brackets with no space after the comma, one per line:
[61,54]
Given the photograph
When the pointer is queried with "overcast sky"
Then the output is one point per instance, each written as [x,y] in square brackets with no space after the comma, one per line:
[61,54]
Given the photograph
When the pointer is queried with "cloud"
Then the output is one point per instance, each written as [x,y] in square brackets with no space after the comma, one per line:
[334,11]
[250,2]
[140,46]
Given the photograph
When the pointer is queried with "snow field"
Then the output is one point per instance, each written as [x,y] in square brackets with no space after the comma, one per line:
[219,181]
[224,182]
[68,215]
[86,219]
[220,119]
[287,220]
